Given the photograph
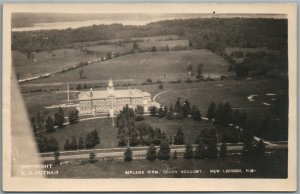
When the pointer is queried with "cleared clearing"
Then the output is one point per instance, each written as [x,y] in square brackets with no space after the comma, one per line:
[141,66]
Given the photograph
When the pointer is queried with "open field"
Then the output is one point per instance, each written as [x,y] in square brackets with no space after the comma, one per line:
[102,50]
[46,62]
[201,94]
[229,50]
[274,166]
[116,41]
[236,92]
[108,133]
[159,44]
[141,66]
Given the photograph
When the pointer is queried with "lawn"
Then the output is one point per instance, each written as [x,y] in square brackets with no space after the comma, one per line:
[274,166]
[102,50]
[236,92]
[172,65]
[159,44]
[146,45]
[47,61]
[108,133]
[117,41]
[201,94]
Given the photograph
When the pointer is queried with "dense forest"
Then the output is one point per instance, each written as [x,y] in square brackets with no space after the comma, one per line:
[210,33]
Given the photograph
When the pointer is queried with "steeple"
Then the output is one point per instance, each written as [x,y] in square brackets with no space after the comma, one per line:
[110,87]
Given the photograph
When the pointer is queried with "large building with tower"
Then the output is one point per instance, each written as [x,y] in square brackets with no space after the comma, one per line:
[112,101]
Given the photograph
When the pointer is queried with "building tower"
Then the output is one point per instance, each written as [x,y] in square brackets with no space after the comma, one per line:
[110,87]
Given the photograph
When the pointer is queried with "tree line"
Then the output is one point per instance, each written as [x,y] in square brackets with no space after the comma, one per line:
[207,33]
[178,111]
[40,126]
[91,140]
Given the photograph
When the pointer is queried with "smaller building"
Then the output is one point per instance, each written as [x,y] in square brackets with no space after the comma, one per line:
[112,101]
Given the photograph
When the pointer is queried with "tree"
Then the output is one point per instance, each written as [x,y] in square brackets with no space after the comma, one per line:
[67,145]
[157,136]
[133,138]
[49,125]
[153,49]
[165,110]
[74,143]
[73,116]
[186,109]
[92,158]
[56,158]
[143,129]
[223,150]
[135,45]
[196,115]
[188,154]
[52,145]
[153,111]
[161,86]
[85,86]
[151,153]
[211,112]
[122,139]
[199,71]
[208,137]
[128,155]
[89,141]
[80,143]
[78,87]
[139,111]
[109,55]
[81,73]
[189,69]
[59,118]
[200,151]
[161,112]
[179,138]
[126,126]
[96,137]
[178,107]
[164,150]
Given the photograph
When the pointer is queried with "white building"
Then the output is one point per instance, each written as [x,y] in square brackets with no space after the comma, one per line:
[112,101]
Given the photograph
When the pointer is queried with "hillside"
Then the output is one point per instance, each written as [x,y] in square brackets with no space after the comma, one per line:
[164,66]
[210,33]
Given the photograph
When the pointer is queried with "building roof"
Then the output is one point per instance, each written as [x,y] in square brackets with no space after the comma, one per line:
[110,92]
[129,93]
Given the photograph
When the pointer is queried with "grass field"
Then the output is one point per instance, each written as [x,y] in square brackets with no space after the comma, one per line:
[46,62]
[236,92]
[159,44]
[108,133]
[231,50]
[141,66]
[115,41]
[274,166]
[102,50]
[201,94]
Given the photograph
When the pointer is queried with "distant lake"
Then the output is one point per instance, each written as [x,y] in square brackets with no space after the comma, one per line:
[76,24]
[132,19]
